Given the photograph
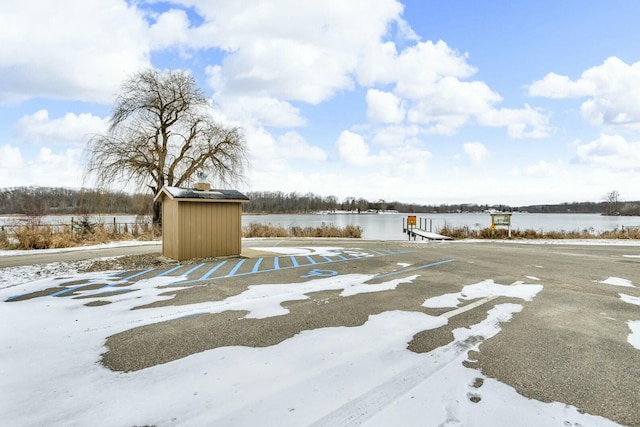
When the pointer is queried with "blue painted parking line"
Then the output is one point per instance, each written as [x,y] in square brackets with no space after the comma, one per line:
[197,267]
[171,270]
[213,270]
[125,279]
[256,266]
[259,266]
[234,270]
[73,288]
[276,265]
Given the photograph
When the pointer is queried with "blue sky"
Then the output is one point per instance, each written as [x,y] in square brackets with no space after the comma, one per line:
[512,102]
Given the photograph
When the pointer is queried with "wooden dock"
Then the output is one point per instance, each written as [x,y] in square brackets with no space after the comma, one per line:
[413,232]
[412,229]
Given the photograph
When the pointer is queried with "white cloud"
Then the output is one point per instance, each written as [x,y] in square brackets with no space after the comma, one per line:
[48,168]
[39,128]
[69,49]
[318,49]
[11,165]
[397,137]
[306,54]
[520,123]
[556,86]
[610,151]
[169,29]
[415,70]
[273,159]
[543,169]
[430,84]
[260,111]
[613,91]
[384,107]
[294,146]
[407,161]
[476,151]
[352,149]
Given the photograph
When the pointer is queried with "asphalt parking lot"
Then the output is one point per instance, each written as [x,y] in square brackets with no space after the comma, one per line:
[568,344]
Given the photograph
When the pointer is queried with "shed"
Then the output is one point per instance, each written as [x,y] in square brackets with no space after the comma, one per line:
[200,222]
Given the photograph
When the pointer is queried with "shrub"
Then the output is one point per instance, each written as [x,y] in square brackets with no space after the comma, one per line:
[4,238]
[262,230]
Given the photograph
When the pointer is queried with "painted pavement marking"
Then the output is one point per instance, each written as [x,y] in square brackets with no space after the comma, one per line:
[407,270]
[319,273]
[229,269]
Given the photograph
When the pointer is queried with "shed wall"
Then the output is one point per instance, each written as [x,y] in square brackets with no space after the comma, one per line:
[209,229]
[170,228]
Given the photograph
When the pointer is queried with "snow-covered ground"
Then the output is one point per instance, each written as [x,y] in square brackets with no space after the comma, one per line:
[50,371]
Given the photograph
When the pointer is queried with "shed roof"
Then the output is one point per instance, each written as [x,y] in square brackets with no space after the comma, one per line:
[204,195]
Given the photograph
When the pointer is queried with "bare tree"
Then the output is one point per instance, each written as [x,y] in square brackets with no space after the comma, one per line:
[162,132]
[612,198]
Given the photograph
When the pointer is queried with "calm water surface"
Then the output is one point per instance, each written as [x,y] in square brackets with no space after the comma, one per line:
[389,226]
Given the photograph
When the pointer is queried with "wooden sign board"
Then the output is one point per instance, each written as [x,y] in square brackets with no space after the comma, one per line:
[501,219]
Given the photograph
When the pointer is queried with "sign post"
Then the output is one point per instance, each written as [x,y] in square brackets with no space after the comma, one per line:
[501,218]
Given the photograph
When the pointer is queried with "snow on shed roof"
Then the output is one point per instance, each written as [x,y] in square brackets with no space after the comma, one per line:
[191,193]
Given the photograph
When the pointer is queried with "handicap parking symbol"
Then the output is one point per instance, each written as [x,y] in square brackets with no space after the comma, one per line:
[319,273]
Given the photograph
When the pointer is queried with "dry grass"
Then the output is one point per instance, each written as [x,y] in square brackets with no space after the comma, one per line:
[36,236]
[325,230]
[466,232]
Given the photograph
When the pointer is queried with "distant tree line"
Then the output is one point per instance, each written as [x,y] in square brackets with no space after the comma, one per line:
[36,201]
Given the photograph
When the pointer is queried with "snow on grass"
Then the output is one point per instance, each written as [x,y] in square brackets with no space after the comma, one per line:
[51,349]
[486,288]
[617,281]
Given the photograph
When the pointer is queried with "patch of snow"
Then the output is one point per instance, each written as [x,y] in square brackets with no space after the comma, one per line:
[486,288]
[630,299]
[51,349]
[617,281]
[532,277]
[578,242]
[634,336]
[13,276]
[404,264]
[119,244]
[631,256]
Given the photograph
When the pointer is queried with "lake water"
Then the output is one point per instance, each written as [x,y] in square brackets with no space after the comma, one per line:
[389,226]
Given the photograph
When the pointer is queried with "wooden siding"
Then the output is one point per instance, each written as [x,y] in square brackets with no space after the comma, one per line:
[208,229]
[170,221]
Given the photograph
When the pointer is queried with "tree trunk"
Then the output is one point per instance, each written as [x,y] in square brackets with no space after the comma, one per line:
[157,214]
